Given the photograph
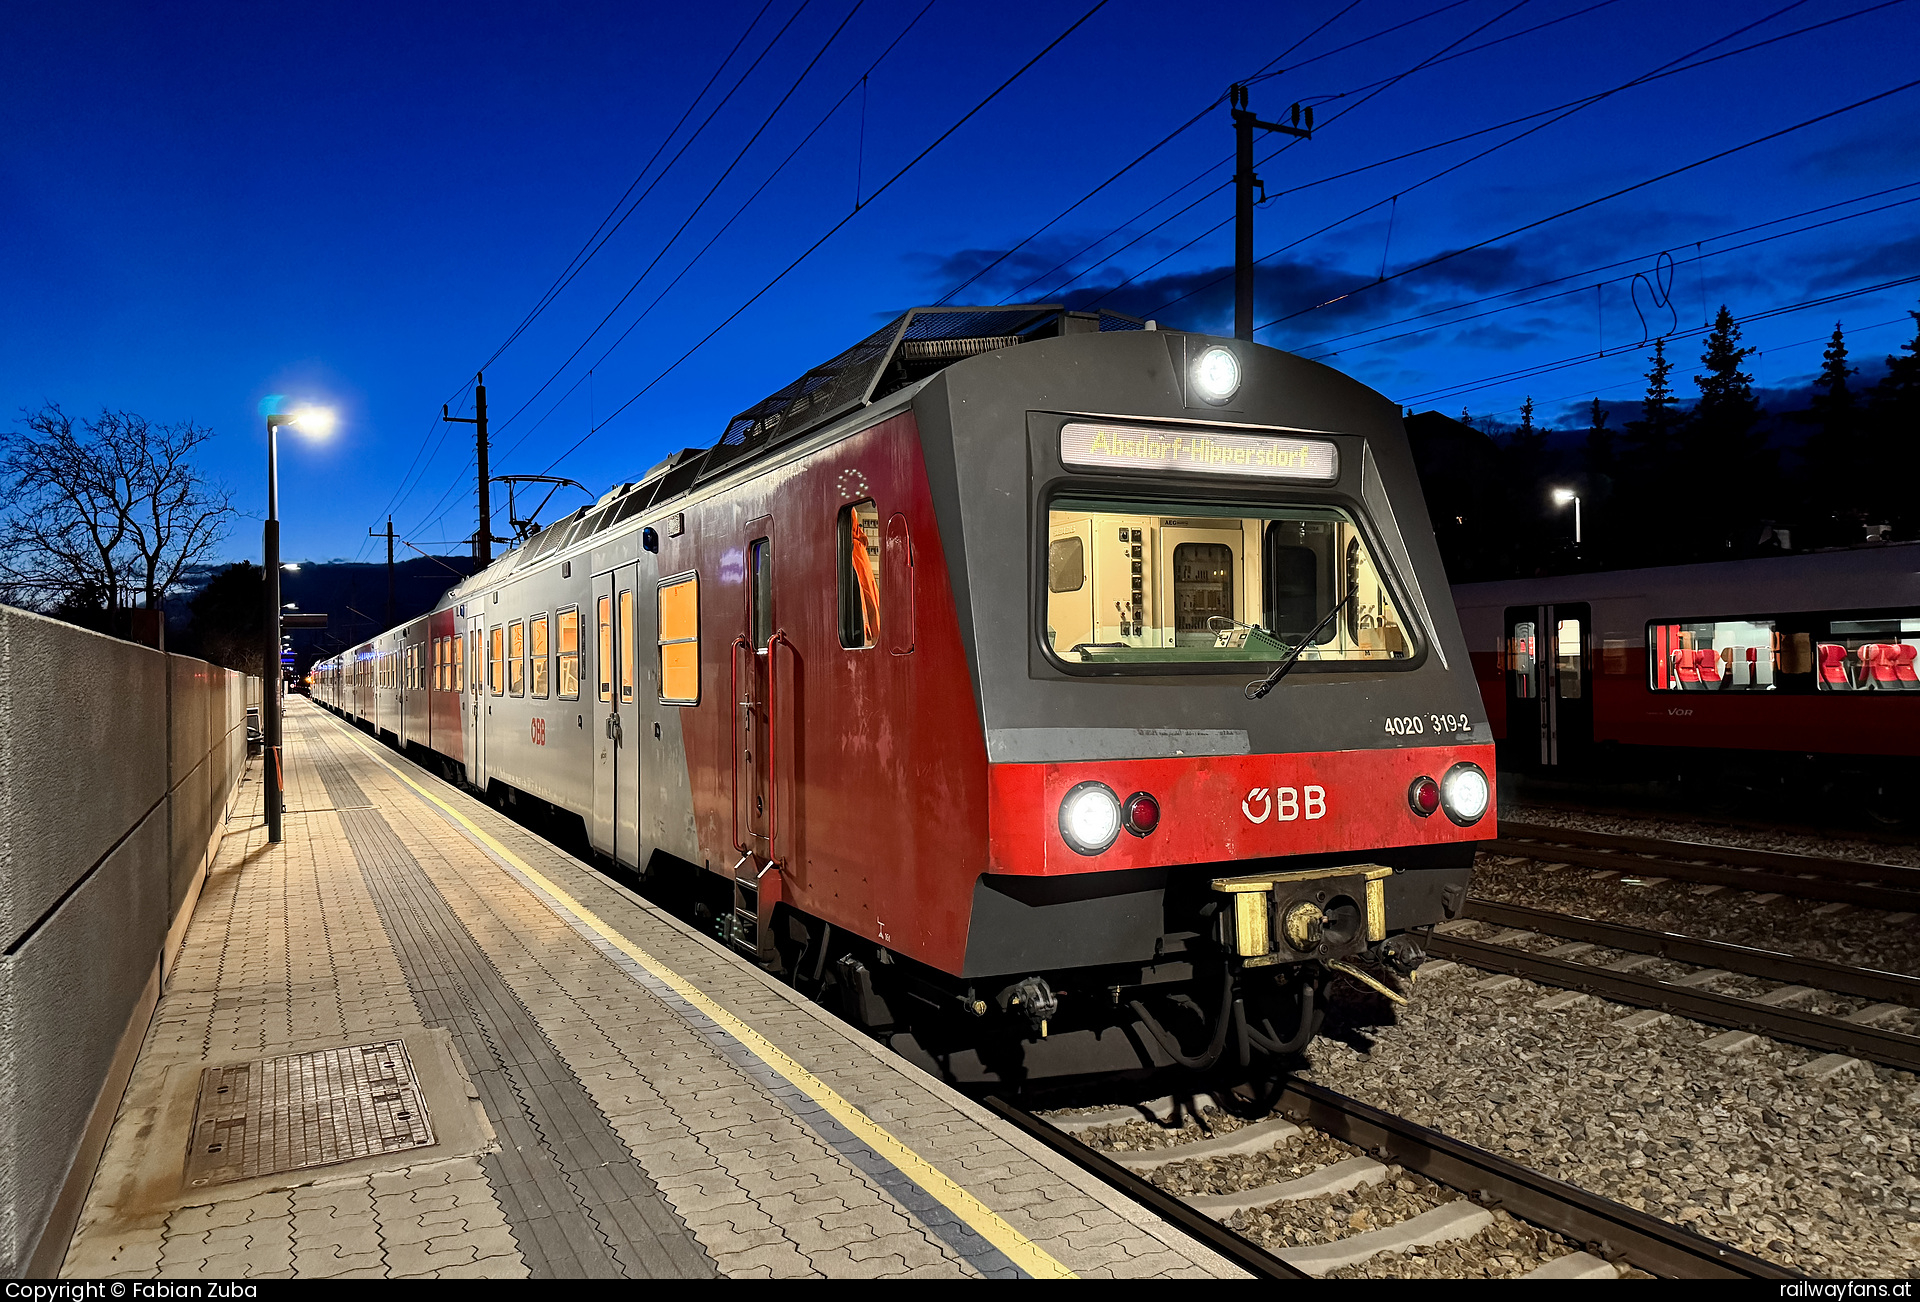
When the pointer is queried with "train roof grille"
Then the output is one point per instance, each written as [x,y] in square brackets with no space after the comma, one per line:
[908,349]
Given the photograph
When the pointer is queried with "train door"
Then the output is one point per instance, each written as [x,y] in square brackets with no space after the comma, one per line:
[616,779]
[475,702]
[1549,683]
[751,682]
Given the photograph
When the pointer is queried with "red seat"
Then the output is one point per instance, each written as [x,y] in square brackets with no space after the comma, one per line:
[1685,676]
[1877,662]
[1707,663]
[1833,668]
[1903,668]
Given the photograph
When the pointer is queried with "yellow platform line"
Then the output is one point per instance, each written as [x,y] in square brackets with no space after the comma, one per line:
[982,1219]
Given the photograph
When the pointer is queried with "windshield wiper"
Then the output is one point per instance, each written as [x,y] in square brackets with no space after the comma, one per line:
[1254,691]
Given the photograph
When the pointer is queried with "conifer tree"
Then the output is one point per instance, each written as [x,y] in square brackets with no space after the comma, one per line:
[1722,447]
[1645,486]
[1834,397]
[1831,491]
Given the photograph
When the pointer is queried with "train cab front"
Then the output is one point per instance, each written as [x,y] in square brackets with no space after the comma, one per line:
[1237,754]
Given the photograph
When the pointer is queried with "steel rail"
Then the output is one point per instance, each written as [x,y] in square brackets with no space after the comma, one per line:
[1241,1251]
[1877,886]
[1771,965]
[1833,1034]
[1656,1246]
[1612,1229]
[1863,870]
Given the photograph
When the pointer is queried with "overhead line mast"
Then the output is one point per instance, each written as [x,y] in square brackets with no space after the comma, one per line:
[483,538]
[1244,125]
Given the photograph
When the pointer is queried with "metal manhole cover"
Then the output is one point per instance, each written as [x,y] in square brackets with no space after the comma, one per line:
[305,1109]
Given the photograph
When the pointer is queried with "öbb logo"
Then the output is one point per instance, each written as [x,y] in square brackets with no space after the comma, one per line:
[539,732]
[1284,804]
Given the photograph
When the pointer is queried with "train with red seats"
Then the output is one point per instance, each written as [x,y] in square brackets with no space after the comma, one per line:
[1790,675]
[1051,693]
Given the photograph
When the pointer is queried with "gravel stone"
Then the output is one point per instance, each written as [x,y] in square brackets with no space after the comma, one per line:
[1302,1154]
[1866,937]
[1321,1220]
[1817,1175]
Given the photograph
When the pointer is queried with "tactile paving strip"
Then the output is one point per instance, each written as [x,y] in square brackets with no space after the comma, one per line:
[305,1109]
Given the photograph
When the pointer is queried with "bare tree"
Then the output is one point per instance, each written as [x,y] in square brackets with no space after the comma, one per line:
[105,510]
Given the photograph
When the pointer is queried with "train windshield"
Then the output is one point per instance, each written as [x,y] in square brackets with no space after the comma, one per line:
[1131,583]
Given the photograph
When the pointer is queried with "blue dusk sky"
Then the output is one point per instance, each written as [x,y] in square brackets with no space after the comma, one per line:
[207,209]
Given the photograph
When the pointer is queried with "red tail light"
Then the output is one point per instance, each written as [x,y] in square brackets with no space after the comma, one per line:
[1423,797]
[1143,813]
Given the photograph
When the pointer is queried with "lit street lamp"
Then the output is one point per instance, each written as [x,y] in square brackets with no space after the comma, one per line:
[1561,496]
[314,420]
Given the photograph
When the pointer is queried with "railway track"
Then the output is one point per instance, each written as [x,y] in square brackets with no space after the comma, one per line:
[1851,881]
[1611,1232]
[1580,964]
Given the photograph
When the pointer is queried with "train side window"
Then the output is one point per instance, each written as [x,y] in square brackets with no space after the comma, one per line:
[1725,655]
[459,653]
[859,575]
[435,645]
[1567,648]
[626,645]
[517,658]
[760,591]
[537,655]
[567,659]
[680,640]
[605,666]
[496,660]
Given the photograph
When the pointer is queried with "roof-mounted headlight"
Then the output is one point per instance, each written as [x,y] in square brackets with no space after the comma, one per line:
[1216,375]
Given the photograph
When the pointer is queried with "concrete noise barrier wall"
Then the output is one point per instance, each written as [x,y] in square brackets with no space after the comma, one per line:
[117,765]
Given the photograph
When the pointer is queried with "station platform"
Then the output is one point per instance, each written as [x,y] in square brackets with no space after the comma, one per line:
[415,1040]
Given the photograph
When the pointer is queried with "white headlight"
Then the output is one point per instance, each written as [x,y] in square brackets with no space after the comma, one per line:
[1465,793]
[1090,817]
[1216,376]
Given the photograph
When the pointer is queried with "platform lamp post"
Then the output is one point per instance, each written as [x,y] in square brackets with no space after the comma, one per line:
[313,420]
[1561,496]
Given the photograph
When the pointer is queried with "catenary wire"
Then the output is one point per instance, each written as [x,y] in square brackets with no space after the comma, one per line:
[1581,289]
[1600,199]
[740,211]
[673,239]
[834,229]
[589,248]
[1545,368]
[1557,114]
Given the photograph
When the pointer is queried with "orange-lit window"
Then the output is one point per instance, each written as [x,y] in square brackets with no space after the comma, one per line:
[459,662]
[605,666]
[537,655]
[517,658]
[680,640]
[626,644]
[567,654]
[859,575]
[496,659]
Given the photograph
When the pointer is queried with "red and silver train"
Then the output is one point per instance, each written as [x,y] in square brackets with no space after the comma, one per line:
[1054,693]
[1793,675]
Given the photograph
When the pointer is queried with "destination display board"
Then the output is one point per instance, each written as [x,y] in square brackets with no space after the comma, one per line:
[1104,446]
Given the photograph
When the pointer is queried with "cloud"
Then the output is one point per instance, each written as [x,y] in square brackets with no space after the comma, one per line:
[1881,262]
[1872,156]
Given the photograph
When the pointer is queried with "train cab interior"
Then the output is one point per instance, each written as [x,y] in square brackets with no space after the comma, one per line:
[1138,584]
